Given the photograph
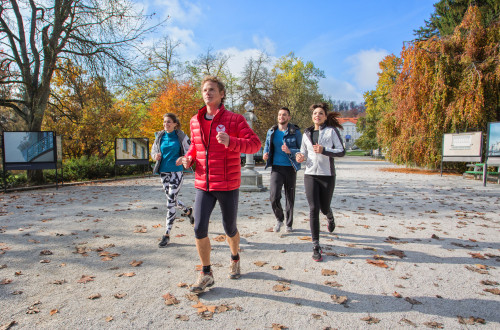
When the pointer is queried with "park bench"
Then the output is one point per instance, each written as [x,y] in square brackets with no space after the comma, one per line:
[477,171]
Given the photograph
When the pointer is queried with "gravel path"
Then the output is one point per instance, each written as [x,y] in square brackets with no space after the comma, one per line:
[409,250]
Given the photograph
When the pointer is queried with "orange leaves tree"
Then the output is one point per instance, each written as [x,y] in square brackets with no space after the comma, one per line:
[446,85]
[180,98]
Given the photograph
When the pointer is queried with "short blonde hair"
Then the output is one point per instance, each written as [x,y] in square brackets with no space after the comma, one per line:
[218,81]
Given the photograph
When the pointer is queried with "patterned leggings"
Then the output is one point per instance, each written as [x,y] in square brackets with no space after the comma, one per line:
[172,182]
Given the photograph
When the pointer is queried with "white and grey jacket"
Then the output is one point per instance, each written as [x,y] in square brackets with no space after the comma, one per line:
[322,164]
[155,148]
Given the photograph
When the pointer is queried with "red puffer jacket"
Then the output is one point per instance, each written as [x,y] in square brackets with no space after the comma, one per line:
[221,170]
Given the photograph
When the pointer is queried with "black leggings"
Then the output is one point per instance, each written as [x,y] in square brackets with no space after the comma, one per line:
[204,204]
[319,192]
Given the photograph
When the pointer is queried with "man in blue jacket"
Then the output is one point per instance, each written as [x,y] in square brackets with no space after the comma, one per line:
[282,143]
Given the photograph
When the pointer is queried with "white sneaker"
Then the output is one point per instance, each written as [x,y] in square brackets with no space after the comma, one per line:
[289,229]
[277,228]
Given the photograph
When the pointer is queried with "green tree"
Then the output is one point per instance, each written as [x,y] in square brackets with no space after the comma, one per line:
[295,85]
[448,15]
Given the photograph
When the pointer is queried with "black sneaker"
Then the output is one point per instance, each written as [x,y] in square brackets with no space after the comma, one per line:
[331,225]
[164,241]
[189,214]
[317,254]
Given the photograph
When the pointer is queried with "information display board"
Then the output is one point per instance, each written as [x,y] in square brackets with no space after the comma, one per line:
[131,151]
[465,147]
[29,150]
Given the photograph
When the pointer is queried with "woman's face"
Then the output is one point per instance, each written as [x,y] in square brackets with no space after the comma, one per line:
[318,116]
[169,124]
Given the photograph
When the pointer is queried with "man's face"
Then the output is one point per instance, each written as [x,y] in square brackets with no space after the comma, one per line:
[211,94]
[283,117]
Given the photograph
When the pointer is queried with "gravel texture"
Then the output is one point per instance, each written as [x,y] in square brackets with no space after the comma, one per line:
[409,250]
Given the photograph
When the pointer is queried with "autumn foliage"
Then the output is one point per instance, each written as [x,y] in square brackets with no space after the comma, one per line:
[445,85]
[180,98]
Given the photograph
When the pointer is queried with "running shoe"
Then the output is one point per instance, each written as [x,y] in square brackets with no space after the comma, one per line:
[277,227]
[317,253]
[204,281]
[164,241]
[234,269]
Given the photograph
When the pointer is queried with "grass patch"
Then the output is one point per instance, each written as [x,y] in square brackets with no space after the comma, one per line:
[355,153]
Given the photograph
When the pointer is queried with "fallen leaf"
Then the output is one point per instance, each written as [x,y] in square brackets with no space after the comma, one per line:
[192,297]
[408,322]
[220,238]
[328,272]
[85,279]
[94,296]
[45,253]
[52,312]
[280,288]
[140,229]
[135,263]
[260,263]
[488,282]
[477,255]
[477,270]
[277,267]
[397,294]
[126,274]
[435,325]
[333,284]
[119,295]
[45,261]
[339,299]
[305,238]
[59,282]
[157,226]
[182,285]
[198,267]
[277,326]
[269,230]
[282,251]
[471,320]
[378,263]
[182,317]
[5,281]
[397,253]
[109,319]
[316,316]
[370,320]
[170,299]
[413,301]
[180,235]
[495,291]
[434,236]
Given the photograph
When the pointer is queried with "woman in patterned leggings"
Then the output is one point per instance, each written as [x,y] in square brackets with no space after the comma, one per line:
[169,146]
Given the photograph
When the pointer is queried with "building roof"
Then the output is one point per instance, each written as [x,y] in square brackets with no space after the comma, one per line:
[345,120]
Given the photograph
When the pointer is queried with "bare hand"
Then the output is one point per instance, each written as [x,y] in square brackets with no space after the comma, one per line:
[318,148]
[223,138]
[299,157]
[265,156]
[285,149]
[158,156]
[186,161]
[179,161]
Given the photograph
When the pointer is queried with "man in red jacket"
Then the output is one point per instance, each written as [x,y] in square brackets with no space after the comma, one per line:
[218,136]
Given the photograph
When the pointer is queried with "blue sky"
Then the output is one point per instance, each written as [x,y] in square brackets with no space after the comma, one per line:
[345,39]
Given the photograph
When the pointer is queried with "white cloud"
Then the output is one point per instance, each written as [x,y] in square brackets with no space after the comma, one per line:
[179,11]
[339,90]
[238,58]
[365,67]
[265,44]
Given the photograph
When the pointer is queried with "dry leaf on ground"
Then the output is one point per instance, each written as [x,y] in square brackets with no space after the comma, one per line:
[170,299]
[477,255]
[260,263]
[378,263]
[370,320]
[495,291]
[488,282]
[328,272]
[434,325]
[413,301]
[305,238]
[182,284]
[45,253]
[281,288]
[277,267]
[85,279]
[109,319]
[471,320]
[52,312]
[5,281]
[333,284]
[397,253]
[135,263]
[277,326]
[119,295]
[126,274]
[7,325]
[339,299]
[182,317]
[220,238]
[94,296]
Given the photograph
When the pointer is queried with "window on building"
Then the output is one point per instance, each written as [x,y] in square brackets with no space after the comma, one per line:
[134,149]
[124,145]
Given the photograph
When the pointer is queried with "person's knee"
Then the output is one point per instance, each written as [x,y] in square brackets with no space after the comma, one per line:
[200,233]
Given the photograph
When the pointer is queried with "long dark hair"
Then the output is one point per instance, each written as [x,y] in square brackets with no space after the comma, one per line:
[332,117]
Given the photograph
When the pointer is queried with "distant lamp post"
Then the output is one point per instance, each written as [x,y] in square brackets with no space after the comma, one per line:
[251,180]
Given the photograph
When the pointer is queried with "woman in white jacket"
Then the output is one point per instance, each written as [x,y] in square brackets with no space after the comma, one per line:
[320,144]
